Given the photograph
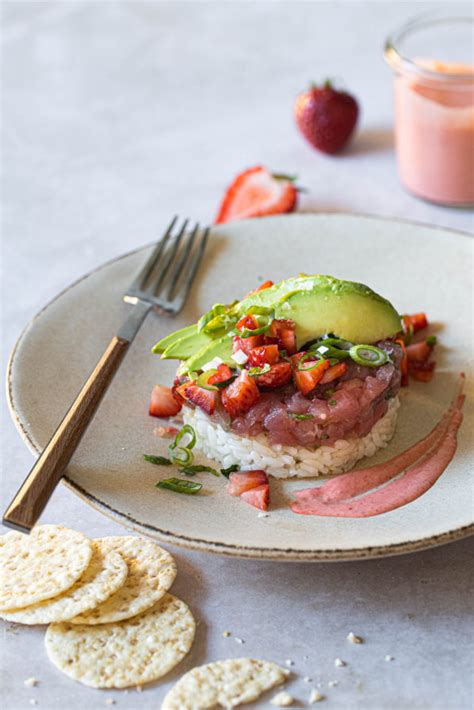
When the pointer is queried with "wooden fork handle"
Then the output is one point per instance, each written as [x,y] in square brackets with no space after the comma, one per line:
[30,500]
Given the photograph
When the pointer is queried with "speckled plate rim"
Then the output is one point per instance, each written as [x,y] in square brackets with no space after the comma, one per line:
[277,554]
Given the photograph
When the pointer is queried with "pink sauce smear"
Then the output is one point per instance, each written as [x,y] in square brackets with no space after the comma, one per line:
[427,460]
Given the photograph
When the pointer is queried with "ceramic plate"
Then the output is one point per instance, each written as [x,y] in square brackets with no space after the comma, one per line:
[415,267]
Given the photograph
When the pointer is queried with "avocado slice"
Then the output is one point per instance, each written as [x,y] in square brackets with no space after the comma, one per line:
[164,343]
[186,347]
[350,310]
[221,347]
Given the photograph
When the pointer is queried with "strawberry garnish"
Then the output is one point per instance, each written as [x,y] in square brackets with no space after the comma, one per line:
[204,399]
[245,480]
[284,332]
[415,322]
[421,371]
[265,354]
[223,373]
[262,287]
[248,322]
[246,344]
[258,497]
[333,373]
[257,192]
[307,379]
[277,376]
[326,117]
[163,403]
[419,352]
[240,395]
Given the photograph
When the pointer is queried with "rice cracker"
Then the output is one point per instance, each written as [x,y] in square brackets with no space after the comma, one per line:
[224,684]
[151,572]
[105,574]
[124,653]
[41,565]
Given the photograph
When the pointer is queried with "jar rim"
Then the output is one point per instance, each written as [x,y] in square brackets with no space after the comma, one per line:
[399,61]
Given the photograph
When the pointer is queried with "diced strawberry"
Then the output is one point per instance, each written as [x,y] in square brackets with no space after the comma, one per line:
[414,322]
[333,373]
[419,352]
[178,382]
[258,497]
[262,287]
[307,379]
[246,344]
[249,322]
[284,331]
[421,371]
[205,399]
[223,373]
[240,395]
[257,192]
[263,355]
[245,480]
[163,403]
[277,376]
[166,432]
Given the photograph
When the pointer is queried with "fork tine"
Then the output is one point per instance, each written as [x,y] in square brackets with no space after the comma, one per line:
[153,259]
[191,271]
[185,252]
[171,255]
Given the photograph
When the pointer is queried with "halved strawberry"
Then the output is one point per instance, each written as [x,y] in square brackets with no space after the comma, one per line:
[246,344]
[205,399]
[223,373]
[163,403]
[277,376]
[255,193]
[258,497]
[240,395]
[263,355]
[262,287]
[419,352]
[284,331]
[307,379]
[245,480]
[421,371]
[333,373]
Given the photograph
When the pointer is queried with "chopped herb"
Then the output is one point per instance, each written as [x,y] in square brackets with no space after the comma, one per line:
[192,470]
[256,371]
[332,402]
[431,340]
[329,393]
[300,417]
[157,460]
[230,469]
[324,436]
[179,485]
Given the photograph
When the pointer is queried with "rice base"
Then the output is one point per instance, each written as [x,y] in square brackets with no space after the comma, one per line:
[252,453]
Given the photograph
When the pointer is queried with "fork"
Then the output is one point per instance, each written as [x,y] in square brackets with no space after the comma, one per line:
[163,284]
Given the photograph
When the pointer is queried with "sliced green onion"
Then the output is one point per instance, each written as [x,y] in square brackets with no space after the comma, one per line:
[336,342]
[256,371]
[300,417]
[368,355]
[157,460]
[247,332]
[431,340]
[230,469]
[324,436]
[224,383]
[305,357]
[186,429]
[192,470]
[180,485]
[203,379]
[180,456]
[332,402]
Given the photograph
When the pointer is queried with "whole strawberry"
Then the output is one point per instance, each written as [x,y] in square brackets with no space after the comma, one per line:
[326,117]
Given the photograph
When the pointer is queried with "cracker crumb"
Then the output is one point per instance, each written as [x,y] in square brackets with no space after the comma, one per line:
[226,634]
[239,640]
[315,697]
[351,636]
[339,663]
[333,683]
[30,682]
[289,662]
[307,679]
[282,699]
[389,658]
[263,515]
[110,701]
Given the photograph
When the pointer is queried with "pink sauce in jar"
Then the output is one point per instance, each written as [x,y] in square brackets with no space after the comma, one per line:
[434,120]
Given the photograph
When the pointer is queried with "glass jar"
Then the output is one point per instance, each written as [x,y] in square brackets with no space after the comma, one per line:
[433,65]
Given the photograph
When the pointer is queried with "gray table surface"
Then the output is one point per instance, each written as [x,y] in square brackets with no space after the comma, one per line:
[117,115]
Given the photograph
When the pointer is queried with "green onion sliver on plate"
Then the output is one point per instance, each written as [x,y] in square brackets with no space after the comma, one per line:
[199,468]
[180,485]
[368,355]
[180,456]
[186,429]
[157,460]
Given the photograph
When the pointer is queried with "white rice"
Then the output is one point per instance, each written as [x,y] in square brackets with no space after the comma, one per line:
[251,453]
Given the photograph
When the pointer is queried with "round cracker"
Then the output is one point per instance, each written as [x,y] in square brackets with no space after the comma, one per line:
[124,653]
[224,683]
[151,572]
[40,565]
[105,574]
